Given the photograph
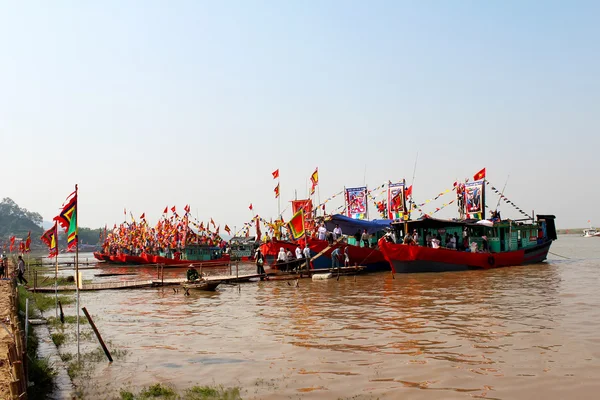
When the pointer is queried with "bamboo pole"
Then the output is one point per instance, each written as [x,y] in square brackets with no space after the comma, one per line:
[89,318]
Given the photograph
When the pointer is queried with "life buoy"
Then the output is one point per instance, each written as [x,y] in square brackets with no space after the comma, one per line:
[491,261]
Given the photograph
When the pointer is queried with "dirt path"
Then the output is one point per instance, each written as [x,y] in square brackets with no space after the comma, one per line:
[4,339]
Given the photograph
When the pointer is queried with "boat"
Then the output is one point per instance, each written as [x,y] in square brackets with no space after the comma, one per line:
[193,254]
[592,232]
[202,284]
[242,248]
[509,243]
[369,257]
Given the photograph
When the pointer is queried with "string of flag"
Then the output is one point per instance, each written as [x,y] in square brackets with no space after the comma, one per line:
[506,199]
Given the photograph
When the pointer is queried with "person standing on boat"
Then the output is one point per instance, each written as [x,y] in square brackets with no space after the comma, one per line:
[281,257]
[322,231]
[298,256]
[484,244]
[337,232]
[346,257]
[365,238]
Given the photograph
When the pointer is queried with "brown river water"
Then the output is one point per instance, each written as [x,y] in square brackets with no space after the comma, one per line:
[513,333]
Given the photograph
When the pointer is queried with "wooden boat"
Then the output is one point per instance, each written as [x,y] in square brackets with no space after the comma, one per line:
[243,248]
[196,255]
[202,284]
[370,257]
[510,243]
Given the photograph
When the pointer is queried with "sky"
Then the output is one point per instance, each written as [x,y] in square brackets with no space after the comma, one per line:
[147,104]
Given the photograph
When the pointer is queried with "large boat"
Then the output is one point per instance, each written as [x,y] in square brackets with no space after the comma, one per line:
[591,232]
[491,244]
[369,257]
[243,248]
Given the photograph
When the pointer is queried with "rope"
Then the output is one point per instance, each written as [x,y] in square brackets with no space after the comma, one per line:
[558,255]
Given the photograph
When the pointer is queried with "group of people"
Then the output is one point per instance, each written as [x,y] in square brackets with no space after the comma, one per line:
[288,261]
[20,269]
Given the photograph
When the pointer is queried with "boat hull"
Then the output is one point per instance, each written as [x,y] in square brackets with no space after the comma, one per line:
[406,259]
[205,286]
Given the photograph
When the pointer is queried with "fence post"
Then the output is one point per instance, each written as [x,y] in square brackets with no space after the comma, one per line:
[87,315]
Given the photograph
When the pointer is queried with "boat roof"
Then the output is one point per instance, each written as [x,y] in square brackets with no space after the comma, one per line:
[243,239]
[350,225]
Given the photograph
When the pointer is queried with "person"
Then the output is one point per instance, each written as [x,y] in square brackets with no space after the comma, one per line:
[347,256]
[322,231]
[484,244]
[428,239]
[357,236]
[192,274]
[435,243]
[415,236]
[473,247]
[5,264]
[306,253]
[1,267]
[408,240]
[260,261]
[335,258]
[456,243]
[298,254]
[281,257]
[21,270]
[452,242]
[337,232]
[329,237]
[289,257]
[365,238]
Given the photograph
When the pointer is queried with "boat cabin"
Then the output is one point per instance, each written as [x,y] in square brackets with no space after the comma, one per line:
[243,246]
[502,236]
[196,252]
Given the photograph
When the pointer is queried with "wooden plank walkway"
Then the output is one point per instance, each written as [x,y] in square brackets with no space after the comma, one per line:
[137,284]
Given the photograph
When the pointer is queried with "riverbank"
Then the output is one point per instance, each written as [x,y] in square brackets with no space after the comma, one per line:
[5,339]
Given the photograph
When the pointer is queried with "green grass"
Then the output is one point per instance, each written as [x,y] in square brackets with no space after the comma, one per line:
[58,338]
[40,371]
[161,391]
[158,391]
[69,319]
[212,393]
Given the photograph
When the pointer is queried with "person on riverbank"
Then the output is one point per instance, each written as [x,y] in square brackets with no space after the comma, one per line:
[21,270]
[2,274]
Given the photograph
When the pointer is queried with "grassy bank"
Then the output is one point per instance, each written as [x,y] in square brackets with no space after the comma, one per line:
[160,391]
[40,372]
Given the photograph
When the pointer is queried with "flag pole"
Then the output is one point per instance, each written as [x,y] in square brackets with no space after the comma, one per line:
[77,269]
[278,198]
[55,233]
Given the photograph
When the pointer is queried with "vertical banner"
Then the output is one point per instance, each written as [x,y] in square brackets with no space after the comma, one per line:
[356,202]
[309,212]
[396,200]
[475,199]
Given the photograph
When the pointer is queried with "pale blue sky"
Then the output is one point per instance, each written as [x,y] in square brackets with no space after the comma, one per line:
[152,103]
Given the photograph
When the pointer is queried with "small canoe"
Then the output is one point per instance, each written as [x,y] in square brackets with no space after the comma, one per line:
[209,286]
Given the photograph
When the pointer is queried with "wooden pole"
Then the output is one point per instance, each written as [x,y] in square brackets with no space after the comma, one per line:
[56,277]
[77,270]
[89,318]
[26,320]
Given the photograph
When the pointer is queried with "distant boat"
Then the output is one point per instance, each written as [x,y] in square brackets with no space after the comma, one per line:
[591,232]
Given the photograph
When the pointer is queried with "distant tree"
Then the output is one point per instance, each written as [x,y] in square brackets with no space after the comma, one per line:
[17,221]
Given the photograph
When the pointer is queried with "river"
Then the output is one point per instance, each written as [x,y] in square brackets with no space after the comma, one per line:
[511,333]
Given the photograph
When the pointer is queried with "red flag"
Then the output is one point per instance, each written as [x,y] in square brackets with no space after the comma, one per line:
[276,190]
[125,211]
[275,173]
[296,225]
[227,230]
[21,247]
[187,208]
[250,207]
[173,209]
[314,178]
[213,223]
[28,243]
[258,233]
[480,175]
[50,237]
[143,216]
[12,243]
[166,210]
[408,192]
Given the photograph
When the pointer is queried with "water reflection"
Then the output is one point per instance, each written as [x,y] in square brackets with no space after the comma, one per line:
[506,333]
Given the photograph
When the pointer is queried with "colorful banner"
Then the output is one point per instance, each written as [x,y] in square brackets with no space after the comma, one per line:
[474,199]
[396,201]
[356,202]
